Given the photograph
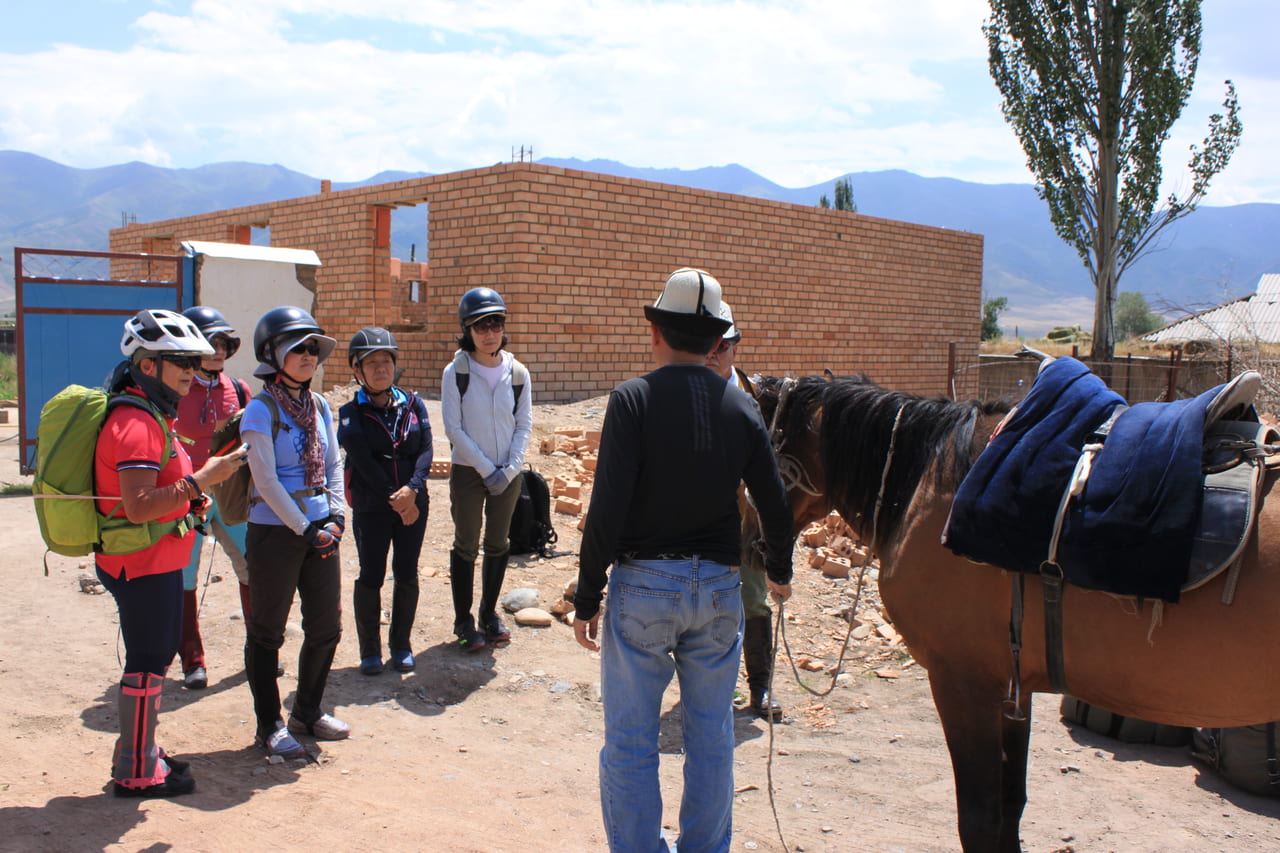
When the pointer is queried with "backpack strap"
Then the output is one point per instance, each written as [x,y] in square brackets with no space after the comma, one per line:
[110,522]
[242,392]
[461,372]
[519,378]
[462,375]
[171,435]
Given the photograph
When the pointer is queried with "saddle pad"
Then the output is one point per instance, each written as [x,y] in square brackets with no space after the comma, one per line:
[1131,530]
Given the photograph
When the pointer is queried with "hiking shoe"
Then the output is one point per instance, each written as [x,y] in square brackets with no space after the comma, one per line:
[195,679]
[402,660]
[326,728]
[495,633]
[370,665]
[469,639]
[281,743]
[174,785]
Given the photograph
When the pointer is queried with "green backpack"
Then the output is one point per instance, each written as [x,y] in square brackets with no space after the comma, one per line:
[66,505]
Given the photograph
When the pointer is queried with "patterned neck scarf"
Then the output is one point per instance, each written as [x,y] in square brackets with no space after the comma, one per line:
[303,411]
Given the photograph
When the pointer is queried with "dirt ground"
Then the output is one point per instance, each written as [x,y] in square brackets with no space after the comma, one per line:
[496,751]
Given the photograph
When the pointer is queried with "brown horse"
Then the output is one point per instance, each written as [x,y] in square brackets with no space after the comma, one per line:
[890,463]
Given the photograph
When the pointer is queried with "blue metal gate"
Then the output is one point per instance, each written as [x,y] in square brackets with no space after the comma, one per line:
[71,308]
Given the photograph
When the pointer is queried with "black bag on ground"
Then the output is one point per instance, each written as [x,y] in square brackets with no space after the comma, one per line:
[1120,727]
[1244,755]
[531,530]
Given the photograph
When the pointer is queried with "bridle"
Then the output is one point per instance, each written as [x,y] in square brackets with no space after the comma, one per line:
[794,475]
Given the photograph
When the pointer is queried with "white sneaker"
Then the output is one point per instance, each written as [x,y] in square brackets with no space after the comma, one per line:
[326,728]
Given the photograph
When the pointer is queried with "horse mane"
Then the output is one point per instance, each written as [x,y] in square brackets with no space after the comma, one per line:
[803,403]
[863,423]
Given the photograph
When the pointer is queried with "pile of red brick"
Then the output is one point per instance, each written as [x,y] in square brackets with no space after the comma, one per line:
[583,445]
[836,546]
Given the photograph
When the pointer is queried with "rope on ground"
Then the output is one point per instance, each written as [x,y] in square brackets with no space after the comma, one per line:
[780,630]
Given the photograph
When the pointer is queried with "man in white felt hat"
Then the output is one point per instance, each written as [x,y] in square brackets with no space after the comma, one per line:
[664,513]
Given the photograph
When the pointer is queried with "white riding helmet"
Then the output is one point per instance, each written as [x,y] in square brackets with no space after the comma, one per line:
[155,330]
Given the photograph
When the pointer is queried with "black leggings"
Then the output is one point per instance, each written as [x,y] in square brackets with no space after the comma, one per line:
[150,618]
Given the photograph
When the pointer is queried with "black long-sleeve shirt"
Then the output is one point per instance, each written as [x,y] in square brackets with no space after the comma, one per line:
[674,447]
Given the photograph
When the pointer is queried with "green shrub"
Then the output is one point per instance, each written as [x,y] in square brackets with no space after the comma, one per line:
[8,377]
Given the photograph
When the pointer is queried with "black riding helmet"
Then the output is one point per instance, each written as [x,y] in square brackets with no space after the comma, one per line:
[477,303]
[281,329]
[369,340]
[211,323]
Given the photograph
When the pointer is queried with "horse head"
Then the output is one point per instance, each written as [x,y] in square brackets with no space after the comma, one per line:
[792,409]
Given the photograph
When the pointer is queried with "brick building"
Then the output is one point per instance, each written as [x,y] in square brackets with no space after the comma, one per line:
[577,254]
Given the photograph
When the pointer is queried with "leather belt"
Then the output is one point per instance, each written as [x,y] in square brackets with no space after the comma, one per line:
[646,555]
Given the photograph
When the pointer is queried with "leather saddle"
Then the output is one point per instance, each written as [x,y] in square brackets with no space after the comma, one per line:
[1235,448]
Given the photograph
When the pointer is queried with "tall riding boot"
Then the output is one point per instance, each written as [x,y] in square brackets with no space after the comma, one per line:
[757,653]
[492,572]
[366,607]
[314,663]
[462,575]
[138,770]
[191,646]
[462,579]
[404,607]
[260,667]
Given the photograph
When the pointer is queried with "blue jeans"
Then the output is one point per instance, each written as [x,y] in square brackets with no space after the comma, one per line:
[664,616]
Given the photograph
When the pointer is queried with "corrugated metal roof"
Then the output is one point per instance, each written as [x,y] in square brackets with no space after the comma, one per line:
[1255,318]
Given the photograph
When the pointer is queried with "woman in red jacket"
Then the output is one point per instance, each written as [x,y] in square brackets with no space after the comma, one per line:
[143,474]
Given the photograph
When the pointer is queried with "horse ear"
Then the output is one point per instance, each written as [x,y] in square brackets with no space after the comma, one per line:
[829,373]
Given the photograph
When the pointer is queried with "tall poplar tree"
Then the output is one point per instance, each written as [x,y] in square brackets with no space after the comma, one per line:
[1092,89]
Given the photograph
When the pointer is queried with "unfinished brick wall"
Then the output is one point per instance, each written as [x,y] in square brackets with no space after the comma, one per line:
[577,254]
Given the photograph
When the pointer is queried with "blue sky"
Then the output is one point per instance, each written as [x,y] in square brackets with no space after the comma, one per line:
[800,91]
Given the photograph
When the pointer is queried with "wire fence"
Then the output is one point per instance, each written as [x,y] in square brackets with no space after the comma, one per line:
[1137,379]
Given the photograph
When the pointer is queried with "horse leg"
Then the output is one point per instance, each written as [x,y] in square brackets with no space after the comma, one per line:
[1016,738]
[971,722]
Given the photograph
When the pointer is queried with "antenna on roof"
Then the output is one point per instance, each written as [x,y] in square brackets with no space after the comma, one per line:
[522,153]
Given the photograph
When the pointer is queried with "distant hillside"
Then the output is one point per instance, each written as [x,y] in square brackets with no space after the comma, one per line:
[1214,254]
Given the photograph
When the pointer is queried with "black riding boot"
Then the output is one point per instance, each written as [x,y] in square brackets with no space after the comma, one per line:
[404,607]
[260,666]
[492,573]
[757,653]
[462,578]
[366,605]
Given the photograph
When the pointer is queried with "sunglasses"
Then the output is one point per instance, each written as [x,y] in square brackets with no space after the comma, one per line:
[311,347]
[184,362]
[723,346]
[490,324]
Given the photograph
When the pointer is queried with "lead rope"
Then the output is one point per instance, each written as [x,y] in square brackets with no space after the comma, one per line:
[208,573]
[780,630]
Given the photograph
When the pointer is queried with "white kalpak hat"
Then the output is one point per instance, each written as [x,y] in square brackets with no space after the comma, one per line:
[690,303]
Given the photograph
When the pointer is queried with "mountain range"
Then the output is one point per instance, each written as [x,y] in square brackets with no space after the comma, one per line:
[1213,255]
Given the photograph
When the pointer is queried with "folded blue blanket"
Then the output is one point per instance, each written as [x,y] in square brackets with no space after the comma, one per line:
[1130,531]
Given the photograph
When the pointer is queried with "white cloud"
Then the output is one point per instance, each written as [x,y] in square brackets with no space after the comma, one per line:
[800,92]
